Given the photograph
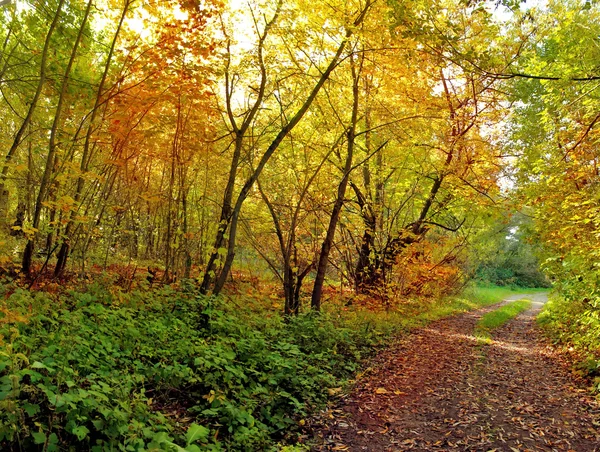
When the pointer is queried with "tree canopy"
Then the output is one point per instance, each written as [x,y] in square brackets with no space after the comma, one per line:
[364,141]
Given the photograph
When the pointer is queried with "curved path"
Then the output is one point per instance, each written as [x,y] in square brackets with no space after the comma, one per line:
[440,389]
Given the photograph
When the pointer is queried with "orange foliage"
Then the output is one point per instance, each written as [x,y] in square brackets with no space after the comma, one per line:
[422,270]
[419,271]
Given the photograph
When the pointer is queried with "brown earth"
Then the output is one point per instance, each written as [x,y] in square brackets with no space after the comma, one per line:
[440,389]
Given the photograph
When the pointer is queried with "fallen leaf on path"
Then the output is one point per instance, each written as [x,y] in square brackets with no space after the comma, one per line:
[455,396]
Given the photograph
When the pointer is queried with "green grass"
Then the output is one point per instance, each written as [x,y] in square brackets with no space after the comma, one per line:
[499,293]
[499,317]
[419,313]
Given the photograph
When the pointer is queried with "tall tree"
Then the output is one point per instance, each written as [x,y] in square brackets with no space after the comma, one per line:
[232,221]
[86,152]
[317,293]
[33,102]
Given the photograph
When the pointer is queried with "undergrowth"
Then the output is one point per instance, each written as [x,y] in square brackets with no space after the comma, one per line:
[134,372]
[168,369]
[575,326]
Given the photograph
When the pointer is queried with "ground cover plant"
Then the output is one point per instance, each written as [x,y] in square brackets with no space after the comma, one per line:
[130,372]
[157,368]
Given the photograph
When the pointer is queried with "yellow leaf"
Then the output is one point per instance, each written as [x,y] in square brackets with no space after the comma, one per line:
[210,397]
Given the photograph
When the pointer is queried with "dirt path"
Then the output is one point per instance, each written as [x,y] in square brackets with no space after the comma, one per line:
[439,389]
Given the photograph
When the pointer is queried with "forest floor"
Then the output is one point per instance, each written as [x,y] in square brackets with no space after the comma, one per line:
[440,388]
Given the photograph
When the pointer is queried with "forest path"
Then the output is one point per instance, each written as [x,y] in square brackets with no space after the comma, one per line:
[440,389]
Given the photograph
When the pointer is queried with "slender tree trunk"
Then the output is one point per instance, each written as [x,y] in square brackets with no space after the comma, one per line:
[186,240]
[29,247]
[370,207]
[87,147]
[239,133]
[6,55]
[170,233]
[285,130]
[33,103]
[317,293]
[52,158]
[365,270]
[225,217]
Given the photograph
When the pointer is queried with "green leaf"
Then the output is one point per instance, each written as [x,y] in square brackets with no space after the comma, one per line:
[158,440]
[39,437]
[81,432]
[52,443]
[196,433]
[228,354]
[192,448]
[31,409]
[175,446]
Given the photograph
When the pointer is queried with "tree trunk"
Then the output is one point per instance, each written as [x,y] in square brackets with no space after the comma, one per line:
[285,130]
[87,147]
[239,132]
[416,230]
[317,293]
[365,266]
[29,247]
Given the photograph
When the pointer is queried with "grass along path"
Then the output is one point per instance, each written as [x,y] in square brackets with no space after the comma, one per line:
[499,317]
[405,318]
[432,391]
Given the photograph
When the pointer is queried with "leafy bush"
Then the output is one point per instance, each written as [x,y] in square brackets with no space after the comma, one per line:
[136,371]
[575,325]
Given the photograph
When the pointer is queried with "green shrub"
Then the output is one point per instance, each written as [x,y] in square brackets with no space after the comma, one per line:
[133,371]
[575,324]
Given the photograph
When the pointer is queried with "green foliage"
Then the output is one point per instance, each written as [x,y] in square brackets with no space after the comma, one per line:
[168,369]
[509,256]
[575,325]
[555,130]
[499,317]
[375,326]
[132,371]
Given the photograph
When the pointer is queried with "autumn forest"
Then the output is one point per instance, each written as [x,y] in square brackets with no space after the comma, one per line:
[215,213]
